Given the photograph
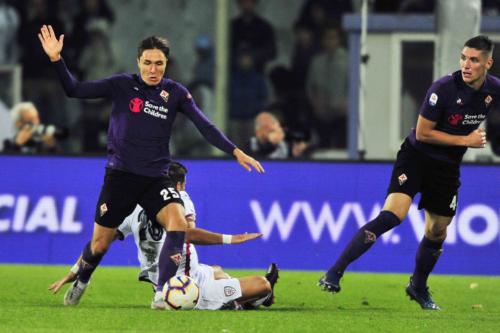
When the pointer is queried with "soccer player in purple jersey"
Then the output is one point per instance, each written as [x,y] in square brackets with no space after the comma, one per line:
[429,162]
[144,109]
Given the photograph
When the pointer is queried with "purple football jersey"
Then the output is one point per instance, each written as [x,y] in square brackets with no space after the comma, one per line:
[141,119]
[457,109]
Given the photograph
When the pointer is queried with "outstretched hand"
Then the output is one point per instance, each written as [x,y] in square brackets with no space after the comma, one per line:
[51,45]
[247,162]
[56,286]
[242,238]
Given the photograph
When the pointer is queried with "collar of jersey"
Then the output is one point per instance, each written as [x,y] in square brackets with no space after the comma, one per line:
[461,84]
[144,85]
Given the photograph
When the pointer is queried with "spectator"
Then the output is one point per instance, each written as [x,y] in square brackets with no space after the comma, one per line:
[81,35]
[6,127]
[251,32]
[490,7]
[270,141]
[9,23]
[318,14]
[186,140]
[173,71]
[97,59]
[290,102]
[32,136]
[204,67]
[327,91]
[304,50]
[248,95]
[40,84]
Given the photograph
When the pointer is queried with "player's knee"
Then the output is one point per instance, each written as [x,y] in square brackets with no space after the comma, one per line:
[100,247]
[398,204]
[436,233]
[264,285]
[218,270]
[219,274]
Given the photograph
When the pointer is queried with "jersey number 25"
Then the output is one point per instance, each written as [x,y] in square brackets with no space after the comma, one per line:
[169,194]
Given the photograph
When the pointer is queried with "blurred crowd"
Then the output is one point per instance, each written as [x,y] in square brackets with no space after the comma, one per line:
[86,24]
[274,110]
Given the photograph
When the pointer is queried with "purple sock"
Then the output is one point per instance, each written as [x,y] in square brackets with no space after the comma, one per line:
[170,257]
[89,263]
[427,256]
[362,241]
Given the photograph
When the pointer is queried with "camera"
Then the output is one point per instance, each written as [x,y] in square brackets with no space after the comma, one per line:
[298,135]
[47,129]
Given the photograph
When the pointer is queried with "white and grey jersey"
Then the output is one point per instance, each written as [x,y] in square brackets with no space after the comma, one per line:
[149,238]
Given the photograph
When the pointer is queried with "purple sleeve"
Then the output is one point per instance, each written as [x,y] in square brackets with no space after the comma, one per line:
[203,124]
[74,88]
[434,102]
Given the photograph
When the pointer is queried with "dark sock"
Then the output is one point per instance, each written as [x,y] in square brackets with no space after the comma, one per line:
[170,257]
[362,241]
[88,264]
[427,256]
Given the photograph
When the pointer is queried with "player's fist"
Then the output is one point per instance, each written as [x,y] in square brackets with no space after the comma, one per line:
[51,45]
[476,139]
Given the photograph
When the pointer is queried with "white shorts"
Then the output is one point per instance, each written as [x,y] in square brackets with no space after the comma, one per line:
[215,293]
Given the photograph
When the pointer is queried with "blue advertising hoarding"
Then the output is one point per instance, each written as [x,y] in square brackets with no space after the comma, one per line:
[306,211]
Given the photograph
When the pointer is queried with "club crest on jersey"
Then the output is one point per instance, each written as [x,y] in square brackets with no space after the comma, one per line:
[229,291]
[402,179]
[488,100]
[164,95]
[176,258]
[136,104]
[460,102]
[103,209]
[433,99]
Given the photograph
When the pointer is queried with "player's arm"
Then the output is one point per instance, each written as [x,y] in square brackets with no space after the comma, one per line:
[72,274]
[199,236]
[426,132]
[68,278]
[73,88]
[213,135]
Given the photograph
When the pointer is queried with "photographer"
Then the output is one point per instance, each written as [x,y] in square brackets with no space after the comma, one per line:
[271,141]
[31,136]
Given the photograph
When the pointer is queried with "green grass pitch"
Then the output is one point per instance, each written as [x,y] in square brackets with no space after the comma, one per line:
[116,302]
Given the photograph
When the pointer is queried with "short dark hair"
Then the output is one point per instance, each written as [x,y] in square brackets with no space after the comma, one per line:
[154,42]
[177,172]
[481,43]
